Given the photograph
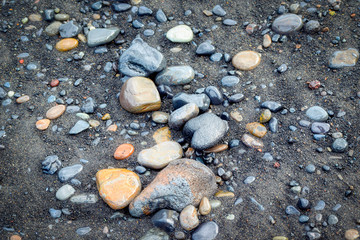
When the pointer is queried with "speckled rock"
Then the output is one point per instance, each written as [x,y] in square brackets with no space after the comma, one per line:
[339,145]
[53,29]
[252,141]
[181,115]
[256,129]
[246,60]
[175,75]
[345,58]
[181,183]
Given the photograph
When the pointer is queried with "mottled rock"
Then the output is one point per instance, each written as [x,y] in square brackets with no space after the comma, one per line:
[183,114]
[246,60]
[84,198]
[42,124]
[100,36]
[201,100]
[351,234]
[256,129]
[51,164]
[180,34]
[339,145]
[69,29]
[266,41]
[162,135]
[320,127]
[252,141]
[155,234]
[312,26]
[189,218]
[265,116]
[287,23]
[175,75]
[22,99]
[160,117]
[345,58]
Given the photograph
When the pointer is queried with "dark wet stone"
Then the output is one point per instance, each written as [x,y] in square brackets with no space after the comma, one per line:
[205,130]
[320,127]
[100,36]
[144,11]
[165,91]
[229,22]
[229,81]
[206,231]
[287,23]
[201,100]
[160,16]
[273,125]
[272,106]
[205,48]
[219,11]
[69,29]
[51,164]
[69,172]
[141,60]
[80,126]
[238,97]
[137,24]
[49,14]
[339,145]
[214,94]
[317,113]
[165,219]
[181,115]
[120,7]
[88,106]
[303,204]
[96,6]
[291,210]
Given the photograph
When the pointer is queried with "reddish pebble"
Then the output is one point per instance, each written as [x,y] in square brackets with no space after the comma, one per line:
[43,124]
[15,237]
[314,84]
[124,151]
[54,83]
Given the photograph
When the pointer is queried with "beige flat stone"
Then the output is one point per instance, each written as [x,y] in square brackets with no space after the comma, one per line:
[56,111]
[246,60]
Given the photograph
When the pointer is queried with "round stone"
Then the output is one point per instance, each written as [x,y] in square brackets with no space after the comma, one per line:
[54,83]
[23,99]
[42,124]
[339,145]
[205,207]
[53,29]
[310,168]
[246,60]
[287,23]
[256,129]
[332,220]
[124,151]
[66,44]
[189,218]
[117,186]
[351,234]
[317,113]
[65,192]
[266,41]
[207,230]
[320,127]
[56,111]
[160,117]
[265,116]
[180,34]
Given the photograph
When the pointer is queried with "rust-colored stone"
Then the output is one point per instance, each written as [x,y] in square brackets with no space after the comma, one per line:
[217,148]
[256,129]
[124,151]
[66,44]
[162,135]
[42,124]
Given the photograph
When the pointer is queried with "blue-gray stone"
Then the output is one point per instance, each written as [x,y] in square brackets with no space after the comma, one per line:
[310,168]
[227,57]
[120,7]
[107,67]
[303,219]
[89,105]
[175,75]
[205,130]
[229,22]
[149,32]
[83,231]
[160,16]
[332,220]
[319,137]
[317,113]
[267,157]
[51,99]
[137,24]
[7,102]
[326,168]
[49,14]
[260,207]
[51,164]
[155,234]
[206,231]
[32,66]
[100,50]
[165,219]
[100,36]
[144,11]
[80,126]
[141,60]
[54,213]
[69,172]
[282,68]
[238,97]
[216,57]
[140,169]
[69,29]
[272,106]
[320,205]
[214,94]
[339,145]
[287,23]
[229,81]
[201,100]
[219,11]
[96,6]
[205,48]
[249,179]
[73,109]
[320,127]
[292,128]
[291,210]
[238,201]
[274,125]
[336,207]
[303,204]
[304,123]
[234,143]
[312,26]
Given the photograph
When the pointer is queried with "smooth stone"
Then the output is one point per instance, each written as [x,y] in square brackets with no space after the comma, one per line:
[62,17]
[320,127]
[120,7]
[291,210]
[256,129]
[55,112]
[23,99]
[165,219]
[229,81]
[205,48]
[249,179]
[217,148]
[252,142]
[53,29]
[312,26]
[317,113]
[180,34]
[206,231]
[272,106]
[83,116]
[204,207]
[66,44]
[55,213]
[201,100]
[94,123]
[143,11]
[265,116]
[141,60]
[160,16]
[189,218]
[280,238]
[332,220]
[214,94]
[313,235]
[287,23]
[83,231]
[137,24]
[339,145]
[304,123]
[69,172]
[303,204]
[345,58]
[266,41]
[42,124]
[215,203]
[124,151]
[229,22]
[51,164]
[175,75]
[236,98]
[246,60]
[100,36]
[84,198]
[79,126]
[139,94]
[89,105]
[69,29]
[65,192]
[310,168]
[96,6]
[303,219]
[320,205]
[35,17]
[155,234]
[49,14]
[219,11]
[351,234]
[183,114]
[162,135]
[181,183]
[117,186]
[160,155]
[3,93]
[205,130]
[160,117]
[73,109]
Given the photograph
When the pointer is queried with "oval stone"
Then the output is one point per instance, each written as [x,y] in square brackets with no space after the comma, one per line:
[256,129]
[317,113]
[65,192]
[160,117]
[139,94]
[175,75]
[181,115]
[160,155]
[117,186]
[42,124]
[56,111]
[287,23]
[252,141]
[351,234]
[189,218]
[23,99]
[246,60]
[66,44]
[207,230]
[124,151]
[180,34]
[345,58]
[205,207]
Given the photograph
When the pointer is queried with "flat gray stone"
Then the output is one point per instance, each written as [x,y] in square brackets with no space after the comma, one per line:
[69,29]
[201,100]
[69,172]
[317,113]
[175,75]
[287,23]
[206,231]
[183,114]
[100,36]
[80,126]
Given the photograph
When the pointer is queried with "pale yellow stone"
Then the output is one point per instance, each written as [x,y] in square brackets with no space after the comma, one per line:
[189,218]
[162,135]
[205,207]
[224,194]
[94,123]
[246,60]
[236,115]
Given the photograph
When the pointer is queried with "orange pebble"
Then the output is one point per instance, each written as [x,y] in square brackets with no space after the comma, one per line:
[124,151]
[43,124]
[15,237]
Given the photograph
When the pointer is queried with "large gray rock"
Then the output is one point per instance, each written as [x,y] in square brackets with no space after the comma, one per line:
[345,58]
[205,130]
[100,36]
[141,60]
[287,23]
[317,113]
[181,183]
[201,100]
[175,75]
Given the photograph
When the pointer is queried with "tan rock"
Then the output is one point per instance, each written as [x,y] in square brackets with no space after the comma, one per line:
[205,207]
[222,193]
[235,114]
[35,17]
[56,111]
[160,117]
[117,186]
[162,135]
[256,129]
[346,58]
[139,94]
[66,44]
[351,234]
[23,99]
[42,124]
[217,148]
[112,128]
[266,41]
[94,123]
[189,218]
[246,60]
[252,141]
[15,237]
